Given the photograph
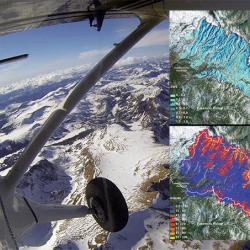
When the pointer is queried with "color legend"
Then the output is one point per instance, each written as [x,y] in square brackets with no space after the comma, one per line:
[179,112]
[178,220]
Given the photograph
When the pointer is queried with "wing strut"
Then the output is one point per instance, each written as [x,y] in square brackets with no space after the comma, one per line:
[12,179]
[98,14]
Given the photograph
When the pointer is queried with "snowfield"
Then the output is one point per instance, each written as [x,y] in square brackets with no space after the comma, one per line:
[118,131]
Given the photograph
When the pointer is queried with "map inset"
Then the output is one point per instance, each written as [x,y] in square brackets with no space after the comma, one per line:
[210,183]
[210,67]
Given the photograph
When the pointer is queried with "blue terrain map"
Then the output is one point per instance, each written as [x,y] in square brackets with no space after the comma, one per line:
[226,55]
[210,67]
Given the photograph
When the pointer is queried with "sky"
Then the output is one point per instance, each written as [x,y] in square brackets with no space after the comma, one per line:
[66,45]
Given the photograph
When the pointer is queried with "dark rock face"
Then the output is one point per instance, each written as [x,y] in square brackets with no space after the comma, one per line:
[45,182]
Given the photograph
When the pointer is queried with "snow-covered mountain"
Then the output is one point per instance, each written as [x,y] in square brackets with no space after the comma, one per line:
[118,131]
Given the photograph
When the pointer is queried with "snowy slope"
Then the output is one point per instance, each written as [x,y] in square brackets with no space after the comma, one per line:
[118,131]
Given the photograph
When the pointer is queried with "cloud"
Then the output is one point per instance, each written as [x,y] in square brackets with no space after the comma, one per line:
[11,72]
[130,60]
[93,54]
[154,38]
[11,66]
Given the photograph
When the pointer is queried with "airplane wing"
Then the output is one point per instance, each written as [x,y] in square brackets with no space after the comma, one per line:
[26,14]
